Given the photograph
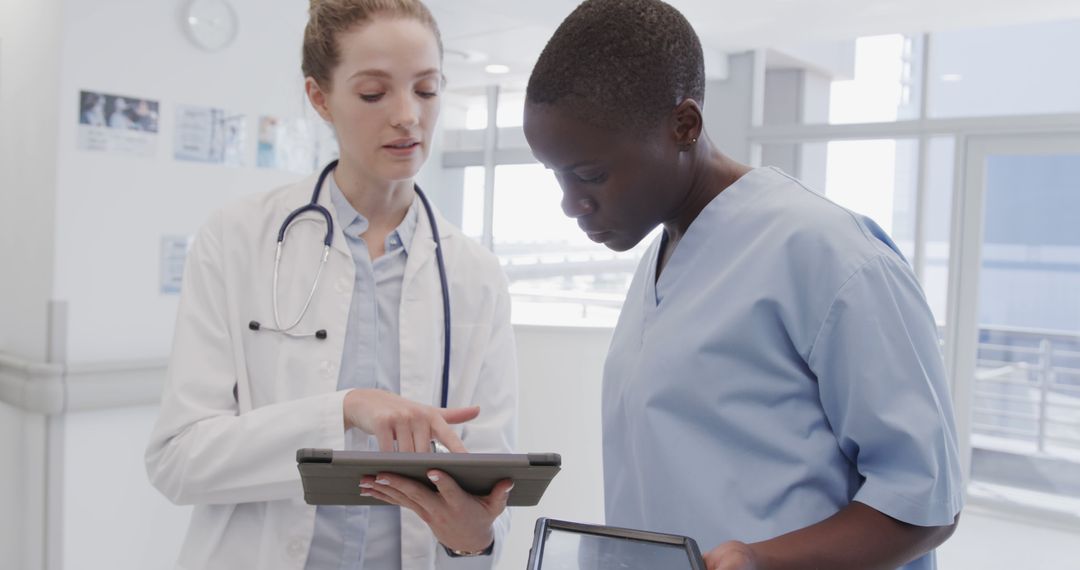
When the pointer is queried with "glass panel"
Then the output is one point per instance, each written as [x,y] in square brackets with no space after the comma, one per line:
[511,111]
[464,109]
[876,178]
[472,212]
[557,275]
[1026,401]
[882,89]
[868,80]
[940,164]
[1012,70]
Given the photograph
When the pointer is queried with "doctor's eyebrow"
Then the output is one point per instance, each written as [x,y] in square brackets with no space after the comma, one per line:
[383,74]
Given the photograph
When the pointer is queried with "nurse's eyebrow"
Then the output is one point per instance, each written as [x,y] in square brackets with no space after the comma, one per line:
[577,165]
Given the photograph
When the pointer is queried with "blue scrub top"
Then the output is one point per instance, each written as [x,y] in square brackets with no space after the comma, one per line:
[785,364]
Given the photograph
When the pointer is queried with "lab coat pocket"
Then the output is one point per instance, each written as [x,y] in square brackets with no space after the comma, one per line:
[265,354]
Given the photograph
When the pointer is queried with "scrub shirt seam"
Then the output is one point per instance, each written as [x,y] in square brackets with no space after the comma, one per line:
[832,304]
[851,215]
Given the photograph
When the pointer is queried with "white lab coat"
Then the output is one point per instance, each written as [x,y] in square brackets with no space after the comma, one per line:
[233,457]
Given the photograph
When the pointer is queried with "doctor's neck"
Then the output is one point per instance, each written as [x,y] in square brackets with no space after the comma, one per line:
[382,202]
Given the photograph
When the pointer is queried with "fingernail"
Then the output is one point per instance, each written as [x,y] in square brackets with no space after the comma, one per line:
[433,477]
[365,494]
[366,486]
[510,489]
[383,481]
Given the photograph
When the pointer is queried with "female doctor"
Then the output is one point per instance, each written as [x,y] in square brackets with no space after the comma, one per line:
[341,347]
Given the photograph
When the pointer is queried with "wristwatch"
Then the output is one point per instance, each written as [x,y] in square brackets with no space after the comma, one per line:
[462,554]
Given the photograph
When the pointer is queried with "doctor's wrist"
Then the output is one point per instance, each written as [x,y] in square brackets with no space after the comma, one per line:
[452,553]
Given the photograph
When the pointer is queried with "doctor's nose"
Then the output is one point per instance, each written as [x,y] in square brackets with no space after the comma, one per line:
[406,113]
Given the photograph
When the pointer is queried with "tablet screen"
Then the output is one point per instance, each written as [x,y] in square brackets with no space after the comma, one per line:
[569,550]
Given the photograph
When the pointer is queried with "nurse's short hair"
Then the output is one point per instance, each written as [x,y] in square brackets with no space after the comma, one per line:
[329,18]
[620,64]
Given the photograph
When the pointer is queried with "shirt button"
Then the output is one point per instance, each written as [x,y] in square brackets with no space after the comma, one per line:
[326,368]
[296,547]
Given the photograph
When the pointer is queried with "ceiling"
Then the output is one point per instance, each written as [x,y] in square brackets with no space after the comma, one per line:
[513,32]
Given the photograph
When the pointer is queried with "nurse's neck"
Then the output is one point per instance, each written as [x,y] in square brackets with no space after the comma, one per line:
[710,173]
[383,203]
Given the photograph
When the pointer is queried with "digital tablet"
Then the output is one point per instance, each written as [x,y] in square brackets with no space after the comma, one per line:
[562,545]
[332,477]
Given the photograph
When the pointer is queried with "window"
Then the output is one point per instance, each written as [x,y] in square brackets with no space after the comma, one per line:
[870,80]
[1016,70]
[557,275]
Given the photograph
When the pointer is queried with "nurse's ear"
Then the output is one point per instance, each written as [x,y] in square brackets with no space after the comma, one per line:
[318,98]
[688,123]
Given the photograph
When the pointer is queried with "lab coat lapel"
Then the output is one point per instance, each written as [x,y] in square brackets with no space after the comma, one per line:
[421,328]
[421,319]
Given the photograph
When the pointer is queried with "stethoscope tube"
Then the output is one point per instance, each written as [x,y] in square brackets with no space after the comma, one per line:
[313,206]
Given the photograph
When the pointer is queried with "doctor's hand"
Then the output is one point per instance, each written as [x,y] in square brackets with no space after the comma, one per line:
[459,520]
[732,555]
[391,418]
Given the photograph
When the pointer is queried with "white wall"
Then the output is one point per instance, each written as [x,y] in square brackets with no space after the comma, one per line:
[113,518]
[29,74]
[560,372]
[112,209]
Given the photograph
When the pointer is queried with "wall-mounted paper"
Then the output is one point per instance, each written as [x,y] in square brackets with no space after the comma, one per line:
[205,134]
[115,123]
[174,250]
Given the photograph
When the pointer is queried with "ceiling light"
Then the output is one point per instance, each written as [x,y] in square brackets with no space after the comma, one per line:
[497,69]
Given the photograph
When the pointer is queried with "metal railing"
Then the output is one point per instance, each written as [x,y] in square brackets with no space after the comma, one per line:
[1027,390]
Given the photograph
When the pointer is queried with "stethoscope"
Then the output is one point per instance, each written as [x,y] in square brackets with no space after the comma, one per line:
[313,206]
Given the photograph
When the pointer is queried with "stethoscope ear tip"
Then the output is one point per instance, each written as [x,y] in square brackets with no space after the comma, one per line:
[320,334]
[254,325]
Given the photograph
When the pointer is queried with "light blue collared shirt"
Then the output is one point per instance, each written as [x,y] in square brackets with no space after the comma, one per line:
[785,364]
[366,538]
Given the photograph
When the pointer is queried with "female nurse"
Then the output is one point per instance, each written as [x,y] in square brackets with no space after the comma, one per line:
[774,387]
[264,362]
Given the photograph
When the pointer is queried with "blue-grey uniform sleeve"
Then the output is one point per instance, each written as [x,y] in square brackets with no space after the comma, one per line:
[883,388]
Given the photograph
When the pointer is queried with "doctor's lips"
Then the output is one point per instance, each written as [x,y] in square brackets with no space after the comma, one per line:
[402,147]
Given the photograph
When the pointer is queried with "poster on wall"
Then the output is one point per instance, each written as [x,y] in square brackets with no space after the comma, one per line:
[174,249]
[286,144]
[117,123]
[205,134]
[297,145]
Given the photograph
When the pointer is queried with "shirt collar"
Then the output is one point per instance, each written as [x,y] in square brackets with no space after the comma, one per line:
[355,224]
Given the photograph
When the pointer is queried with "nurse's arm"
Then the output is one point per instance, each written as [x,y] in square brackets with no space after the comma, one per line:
[857,537]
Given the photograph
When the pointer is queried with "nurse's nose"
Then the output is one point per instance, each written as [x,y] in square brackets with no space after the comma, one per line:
[576,207]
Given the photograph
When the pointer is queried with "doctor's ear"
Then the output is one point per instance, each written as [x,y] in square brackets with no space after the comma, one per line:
[317,97]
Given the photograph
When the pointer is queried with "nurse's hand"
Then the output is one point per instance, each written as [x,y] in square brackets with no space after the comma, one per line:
[732,555]
[391,418]
[459,520]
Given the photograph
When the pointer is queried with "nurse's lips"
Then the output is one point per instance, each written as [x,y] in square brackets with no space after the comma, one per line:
[597,235]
